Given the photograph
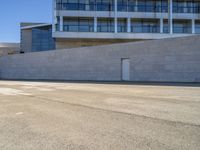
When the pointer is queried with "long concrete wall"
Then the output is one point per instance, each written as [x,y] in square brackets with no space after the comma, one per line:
[167,60]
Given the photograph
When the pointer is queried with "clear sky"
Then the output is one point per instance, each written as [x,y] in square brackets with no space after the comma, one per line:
[12,12]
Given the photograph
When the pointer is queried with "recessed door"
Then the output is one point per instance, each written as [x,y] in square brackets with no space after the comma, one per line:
[125,69]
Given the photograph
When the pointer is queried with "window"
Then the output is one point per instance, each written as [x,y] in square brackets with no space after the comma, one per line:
[42,39]
[122,25]
[145,26]
[78,25]
[105,25]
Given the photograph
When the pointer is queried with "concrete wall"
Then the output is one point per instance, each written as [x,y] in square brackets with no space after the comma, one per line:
[172,60]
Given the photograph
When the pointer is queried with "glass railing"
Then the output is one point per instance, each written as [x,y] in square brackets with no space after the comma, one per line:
[142,8]
[104,28]
[126,8]
[165,29]
[145,28]
[75,6]
[197,28]
[105,7]
[85,7]
[185,29]
[122,29]
[177,29]
[78,28]
[186,9]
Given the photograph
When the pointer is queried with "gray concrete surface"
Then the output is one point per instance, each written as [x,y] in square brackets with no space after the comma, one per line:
[89,116]
[167,60]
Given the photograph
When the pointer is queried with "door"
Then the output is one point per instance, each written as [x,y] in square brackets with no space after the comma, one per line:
[125,69]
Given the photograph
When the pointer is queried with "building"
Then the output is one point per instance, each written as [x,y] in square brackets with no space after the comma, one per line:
[80,23]
[9,48]
[96,22]
[36,37]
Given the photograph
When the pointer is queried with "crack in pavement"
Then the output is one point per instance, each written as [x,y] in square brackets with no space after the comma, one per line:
[112,111]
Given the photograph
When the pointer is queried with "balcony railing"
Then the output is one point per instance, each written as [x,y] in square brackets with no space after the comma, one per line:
[126,8]
[177,29]
[135,28]
[122,29]
[145,28]
[78,28]
[197,28]
[185,29]
[85,7]
[105,28]
[142,8]
[186,9]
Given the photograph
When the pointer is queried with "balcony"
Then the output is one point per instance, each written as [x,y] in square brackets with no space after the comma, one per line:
[78,25]
[179,27]
[145,26]
[105,25]
[122,25]
[131,7]
[197,27]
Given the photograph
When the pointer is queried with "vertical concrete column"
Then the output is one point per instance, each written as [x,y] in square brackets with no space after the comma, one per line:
[54,24]
[116,16]
[61,23]
[170,18]
[128,25]
[161,25]
[54,18]
[95,24]
[193,26]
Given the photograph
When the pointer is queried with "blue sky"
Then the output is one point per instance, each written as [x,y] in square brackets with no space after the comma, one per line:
[12,12]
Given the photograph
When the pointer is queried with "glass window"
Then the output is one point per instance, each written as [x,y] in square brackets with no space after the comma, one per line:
[197,27]
[78,24]
[145,26]
[122,25]
[42,39]
[105,25]
[182,27]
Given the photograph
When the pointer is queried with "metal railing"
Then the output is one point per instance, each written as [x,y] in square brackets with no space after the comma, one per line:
[126,8]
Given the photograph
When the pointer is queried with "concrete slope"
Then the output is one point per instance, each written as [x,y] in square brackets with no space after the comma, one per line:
[166,60]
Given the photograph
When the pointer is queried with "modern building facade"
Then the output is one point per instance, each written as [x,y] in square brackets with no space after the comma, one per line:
[80,23]
[125,19]
[36,37]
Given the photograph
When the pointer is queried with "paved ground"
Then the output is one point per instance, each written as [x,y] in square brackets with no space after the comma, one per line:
[74,116]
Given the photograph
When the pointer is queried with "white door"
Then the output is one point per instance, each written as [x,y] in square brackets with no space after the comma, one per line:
[125,69]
